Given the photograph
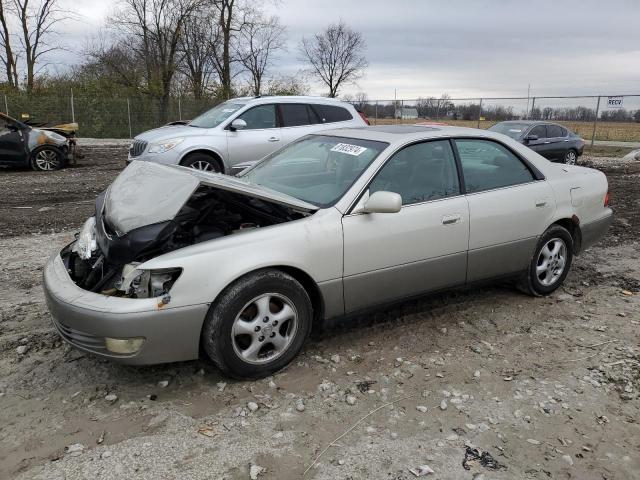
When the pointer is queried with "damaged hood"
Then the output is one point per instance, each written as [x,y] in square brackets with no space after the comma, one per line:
[146,193]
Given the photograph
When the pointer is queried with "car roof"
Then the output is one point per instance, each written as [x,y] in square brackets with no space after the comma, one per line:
[291,99]
[400,134]
[530,122]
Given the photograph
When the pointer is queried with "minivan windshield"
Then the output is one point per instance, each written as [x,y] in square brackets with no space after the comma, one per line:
[317,169]
[217,115]
[513,129]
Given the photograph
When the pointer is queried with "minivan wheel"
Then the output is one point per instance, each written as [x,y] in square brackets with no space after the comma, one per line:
[202,161]
[571,157]
[258,324]
[46,158]
[550,263]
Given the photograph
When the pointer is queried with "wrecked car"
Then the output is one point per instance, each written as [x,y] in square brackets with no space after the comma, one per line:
[177,261]
[41,148]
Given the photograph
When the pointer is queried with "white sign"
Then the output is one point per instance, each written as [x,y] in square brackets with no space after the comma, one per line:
[349,149]
[614,102]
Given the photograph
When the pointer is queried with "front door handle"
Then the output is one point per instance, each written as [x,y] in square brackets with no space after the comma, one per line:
[451,219]
[541,203]
[273,139]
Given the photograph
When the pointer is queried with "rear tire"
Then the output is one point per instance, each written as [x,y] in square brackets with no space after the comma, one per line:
[46,159]
[550,263]
[258,324]
[202,161]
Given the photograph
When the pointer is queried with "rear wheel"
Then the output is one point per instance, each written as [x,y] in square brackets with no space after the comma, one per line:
[258,324]
[550,263]
[202,161]
[46,158]
[571,157]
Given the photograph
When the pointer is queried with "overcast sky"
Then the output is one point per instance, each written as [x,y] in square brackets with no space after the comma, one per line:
[463,47]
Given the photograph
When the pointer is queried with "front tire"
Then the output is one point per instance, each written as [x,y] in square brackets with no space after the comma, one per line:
[550,263]
[46,159]
[258,324]
[571,157]
[202,161]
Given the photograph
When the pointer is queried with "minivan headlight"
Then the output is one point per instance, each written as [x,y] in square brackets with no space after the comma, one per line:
[165,145]
[86,243]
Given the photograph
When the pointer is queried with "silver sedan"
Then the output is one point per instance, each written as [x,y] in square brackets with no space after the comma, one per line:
[176,260]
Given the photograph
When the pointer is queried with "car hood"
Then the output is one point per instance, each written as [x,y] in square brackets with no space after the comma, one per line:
[146,193]
[173,131]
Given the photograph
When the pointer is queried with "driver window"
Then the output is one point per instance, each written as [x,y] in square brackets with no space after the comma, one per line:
[420,173]
[262,116]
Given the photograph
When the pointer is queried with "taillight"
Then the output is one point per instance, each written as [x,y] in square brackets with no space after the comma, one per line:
[606,200]
[364,117]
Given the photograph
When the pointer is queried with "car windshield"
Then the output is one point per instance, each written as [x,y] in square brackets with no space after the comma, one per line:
[317,169]
[514,130]
[217,115]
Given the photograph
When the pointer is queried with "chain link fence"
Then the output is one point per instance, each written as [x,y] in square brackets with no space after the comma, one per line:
[611,118]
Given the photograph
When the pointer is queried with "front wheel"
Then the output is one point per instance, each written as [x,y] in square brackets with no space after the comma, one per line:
[202,161]
[46,159]
[571,157]
[258,324]
[550,263]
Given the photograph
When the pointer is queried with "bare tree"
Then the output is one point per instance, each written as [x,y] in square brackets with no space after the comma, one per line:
[259,39]
[335,56]
[153,29]
[197,45]
[8,57]
[37,19]
[230,17]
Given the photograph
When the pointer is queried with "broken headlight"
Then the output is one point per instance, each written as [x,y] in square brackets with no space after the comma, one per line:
[86,243]
[165,145]
[140,283]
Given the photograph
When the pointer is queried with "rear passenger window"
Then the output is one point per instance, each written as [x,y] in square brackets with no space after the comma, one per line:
[332,113]
[295,114]
[487,165]
[554,131]
[539,130]
[419,173]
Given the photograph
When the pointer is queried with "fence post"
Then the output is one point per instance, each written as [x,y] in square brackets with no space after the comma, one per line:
[129,117]
[6,105]
[437,110]
[73,112]
[595,122]
[479,113]
[376,117]
[533,105]
[179,109]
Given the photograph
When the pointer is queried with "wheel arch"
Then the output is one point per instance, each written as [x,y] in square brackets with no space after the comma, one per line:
[205,151]
[573,226]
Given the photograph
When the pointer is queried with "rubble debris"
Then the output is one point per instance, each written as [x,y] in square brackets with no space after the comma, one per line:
[474,455]
[422,470]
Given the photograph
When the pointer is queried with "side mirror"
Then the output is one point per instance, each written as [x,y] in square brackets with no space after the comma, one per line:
[13,127]
[383,202]
[238,124]
[531,138]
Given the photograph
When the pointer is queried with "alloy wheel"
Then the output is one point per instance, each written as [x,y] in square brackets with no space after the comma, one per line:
[551,262]
[47,160]
[202,165]
[265,328]
[570,158]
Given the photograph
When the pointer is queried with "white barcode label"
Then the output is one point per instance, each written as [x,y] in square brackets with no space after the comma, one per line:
[348,149]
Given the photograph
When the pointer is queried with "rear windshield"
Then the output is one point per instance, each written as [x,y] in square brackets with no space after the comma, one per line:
[514,130]
[317,169]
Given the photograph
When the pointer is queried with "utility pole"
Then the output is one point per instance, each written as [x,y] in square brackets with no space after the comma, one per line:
[526,115]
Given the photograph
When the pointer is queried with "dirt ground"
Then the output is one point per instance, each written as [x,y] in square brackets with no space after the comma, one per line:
[547,386]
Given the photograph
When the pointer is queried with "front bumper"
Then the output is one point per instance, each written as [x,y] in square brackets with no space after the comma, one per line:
[84,319]
[593,232]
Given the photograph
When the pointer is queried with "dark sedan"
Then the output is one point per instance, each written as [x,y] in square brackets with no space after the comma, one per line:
[552,141]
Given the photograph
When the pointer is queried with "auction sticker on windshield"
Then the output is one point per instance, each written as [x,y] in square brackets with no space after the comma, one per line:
[349,149]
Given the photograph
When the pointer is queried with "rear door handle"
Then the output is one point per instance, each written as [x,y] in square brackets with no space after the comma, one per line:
[451,219]
[273,139]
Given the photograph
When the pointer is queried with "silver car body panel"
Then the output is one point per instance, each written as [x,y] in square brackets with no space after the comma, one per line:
[356,260]
[240,146]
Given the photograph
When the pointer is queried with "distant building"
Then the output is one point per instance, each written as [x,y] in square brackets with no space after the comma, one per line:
[407,113]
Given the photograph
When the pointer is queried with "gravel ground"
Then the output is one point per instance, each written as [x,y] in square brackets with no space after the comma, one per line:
[547,386]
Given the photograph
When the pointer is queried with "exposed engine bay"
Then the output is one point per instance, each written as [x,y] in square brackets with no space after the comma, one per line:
[104,260]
